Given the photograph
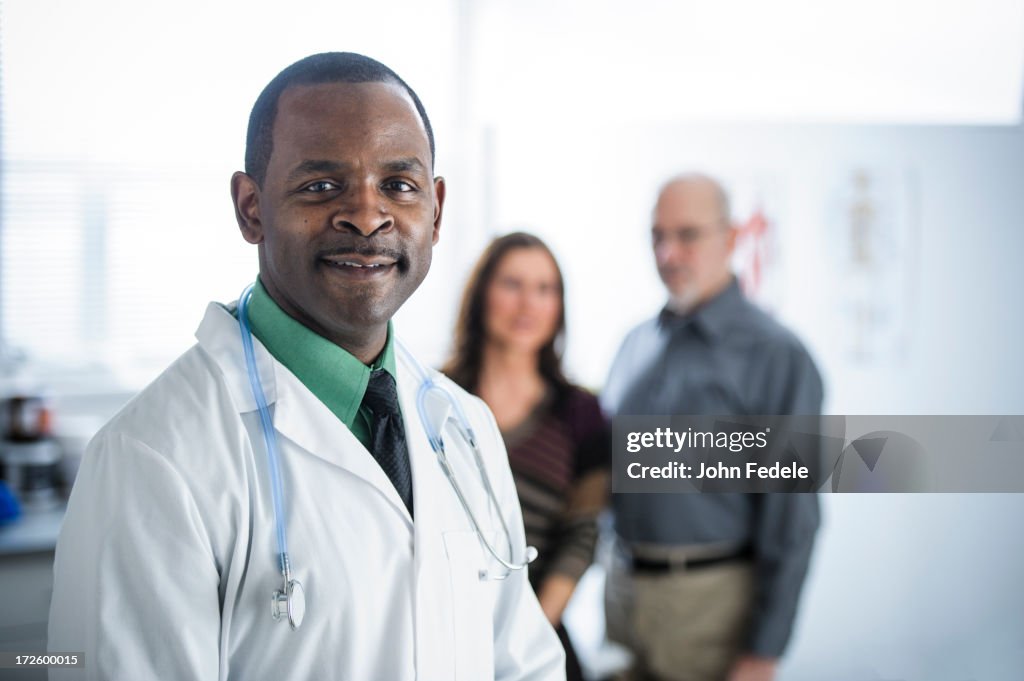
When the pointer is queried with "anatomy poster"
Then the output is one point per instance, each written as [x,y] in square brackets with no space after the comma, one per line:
[873,252]
[758,218]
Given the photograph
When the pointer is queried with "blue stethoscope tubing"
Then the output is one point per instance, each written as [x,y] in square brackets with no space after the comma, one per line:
[289,601]
[427,385]
[291,596]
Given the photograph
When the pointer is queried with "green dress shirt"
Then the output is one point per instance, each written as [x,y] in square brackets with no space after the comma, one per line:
[331,373]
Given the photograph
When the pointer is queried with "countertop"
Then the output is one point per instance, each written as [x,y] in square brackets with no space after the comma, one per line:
[32,531]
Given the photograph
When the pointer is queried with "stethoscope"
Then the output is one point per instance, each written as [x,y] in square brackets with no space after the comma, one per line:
[290,600]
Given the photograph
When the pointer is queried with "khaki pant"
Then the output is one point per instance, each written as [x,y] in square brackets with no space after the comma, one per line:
[684,625]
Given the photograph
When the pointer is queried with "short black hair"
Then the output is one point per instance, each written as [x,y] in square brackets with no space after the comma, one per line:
[326,67]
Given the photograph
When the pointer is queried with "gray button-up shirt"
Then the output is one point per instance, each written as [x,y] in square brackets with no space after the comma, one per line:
[727,357]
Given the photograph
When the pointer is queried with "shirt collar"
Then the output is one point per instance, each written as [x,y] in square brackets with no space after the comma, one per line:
[335,376]
[711,317]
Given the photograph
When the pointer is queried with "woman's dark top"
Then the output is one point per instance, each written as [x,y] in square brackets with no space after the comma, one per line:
[559,456]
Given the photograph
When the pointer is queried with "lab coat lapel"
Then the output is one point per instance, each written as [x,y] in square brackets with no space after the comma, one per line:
[220,337]
[433,605]
[302,418]
[297,413]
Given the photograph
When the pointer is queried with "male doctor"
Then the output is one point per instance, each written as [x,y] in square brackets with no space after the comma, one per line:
[168,557]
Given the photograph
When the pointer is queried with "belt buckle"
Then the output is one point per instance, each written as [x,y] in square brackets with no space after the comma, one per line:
[677,562]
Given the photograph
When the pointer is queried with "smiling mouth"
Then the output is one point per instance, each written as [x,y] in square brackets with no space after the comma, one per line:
[359,268]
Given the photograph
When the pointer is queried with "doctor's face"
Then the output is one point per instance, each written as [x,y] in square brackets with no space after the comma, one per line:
[348,212]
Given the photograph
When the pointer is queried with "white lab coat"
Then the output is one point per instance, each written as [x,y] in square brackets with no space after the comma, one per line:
[166,561]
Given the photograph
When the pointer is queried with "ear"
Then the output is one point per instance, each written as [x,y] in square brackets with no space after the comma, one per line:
[439,191]
[730,243]
[245,193]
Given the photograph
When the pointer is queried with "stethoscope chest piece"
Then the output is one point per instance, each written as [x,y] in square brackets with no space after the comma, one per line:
[290,603]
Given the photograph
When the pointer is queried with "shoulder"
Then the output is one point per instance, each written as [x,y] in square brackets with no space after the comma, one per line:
[579,404]
[641,345]
[755,327]
[644,332]
[779,365]
[413,373]
[173,455]
[638,345]
[779,339]
[457,391]
[491,445]
[177,415]
[581,411]
[476,410]
[749,320]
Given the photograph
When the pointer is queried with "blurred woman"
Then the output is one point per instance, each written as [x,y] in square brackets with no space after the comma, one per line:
[509,331]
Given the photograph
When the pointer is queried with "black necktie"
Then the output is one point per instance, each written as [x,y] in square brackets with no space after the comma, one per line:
[387,433]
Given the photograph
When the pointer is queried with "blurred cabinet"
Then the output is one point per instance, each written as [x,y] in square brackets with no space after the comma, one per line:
[27,580]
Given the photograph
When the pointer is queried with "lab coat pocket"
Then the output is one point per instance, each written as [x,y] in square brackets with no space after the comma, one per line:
[472,607]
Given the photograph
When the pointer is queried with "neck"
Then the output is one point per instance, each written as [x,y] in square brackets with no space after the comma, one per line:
[364,343]
[717,287]
[509,366]
[366,348]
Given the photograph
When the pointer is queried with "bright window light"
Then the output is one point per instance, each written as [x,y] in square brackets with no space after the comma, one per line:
[876,61]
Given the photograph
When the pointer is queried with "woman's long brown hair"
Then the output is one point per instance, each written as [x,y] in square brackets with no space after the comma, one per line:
[464,366]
